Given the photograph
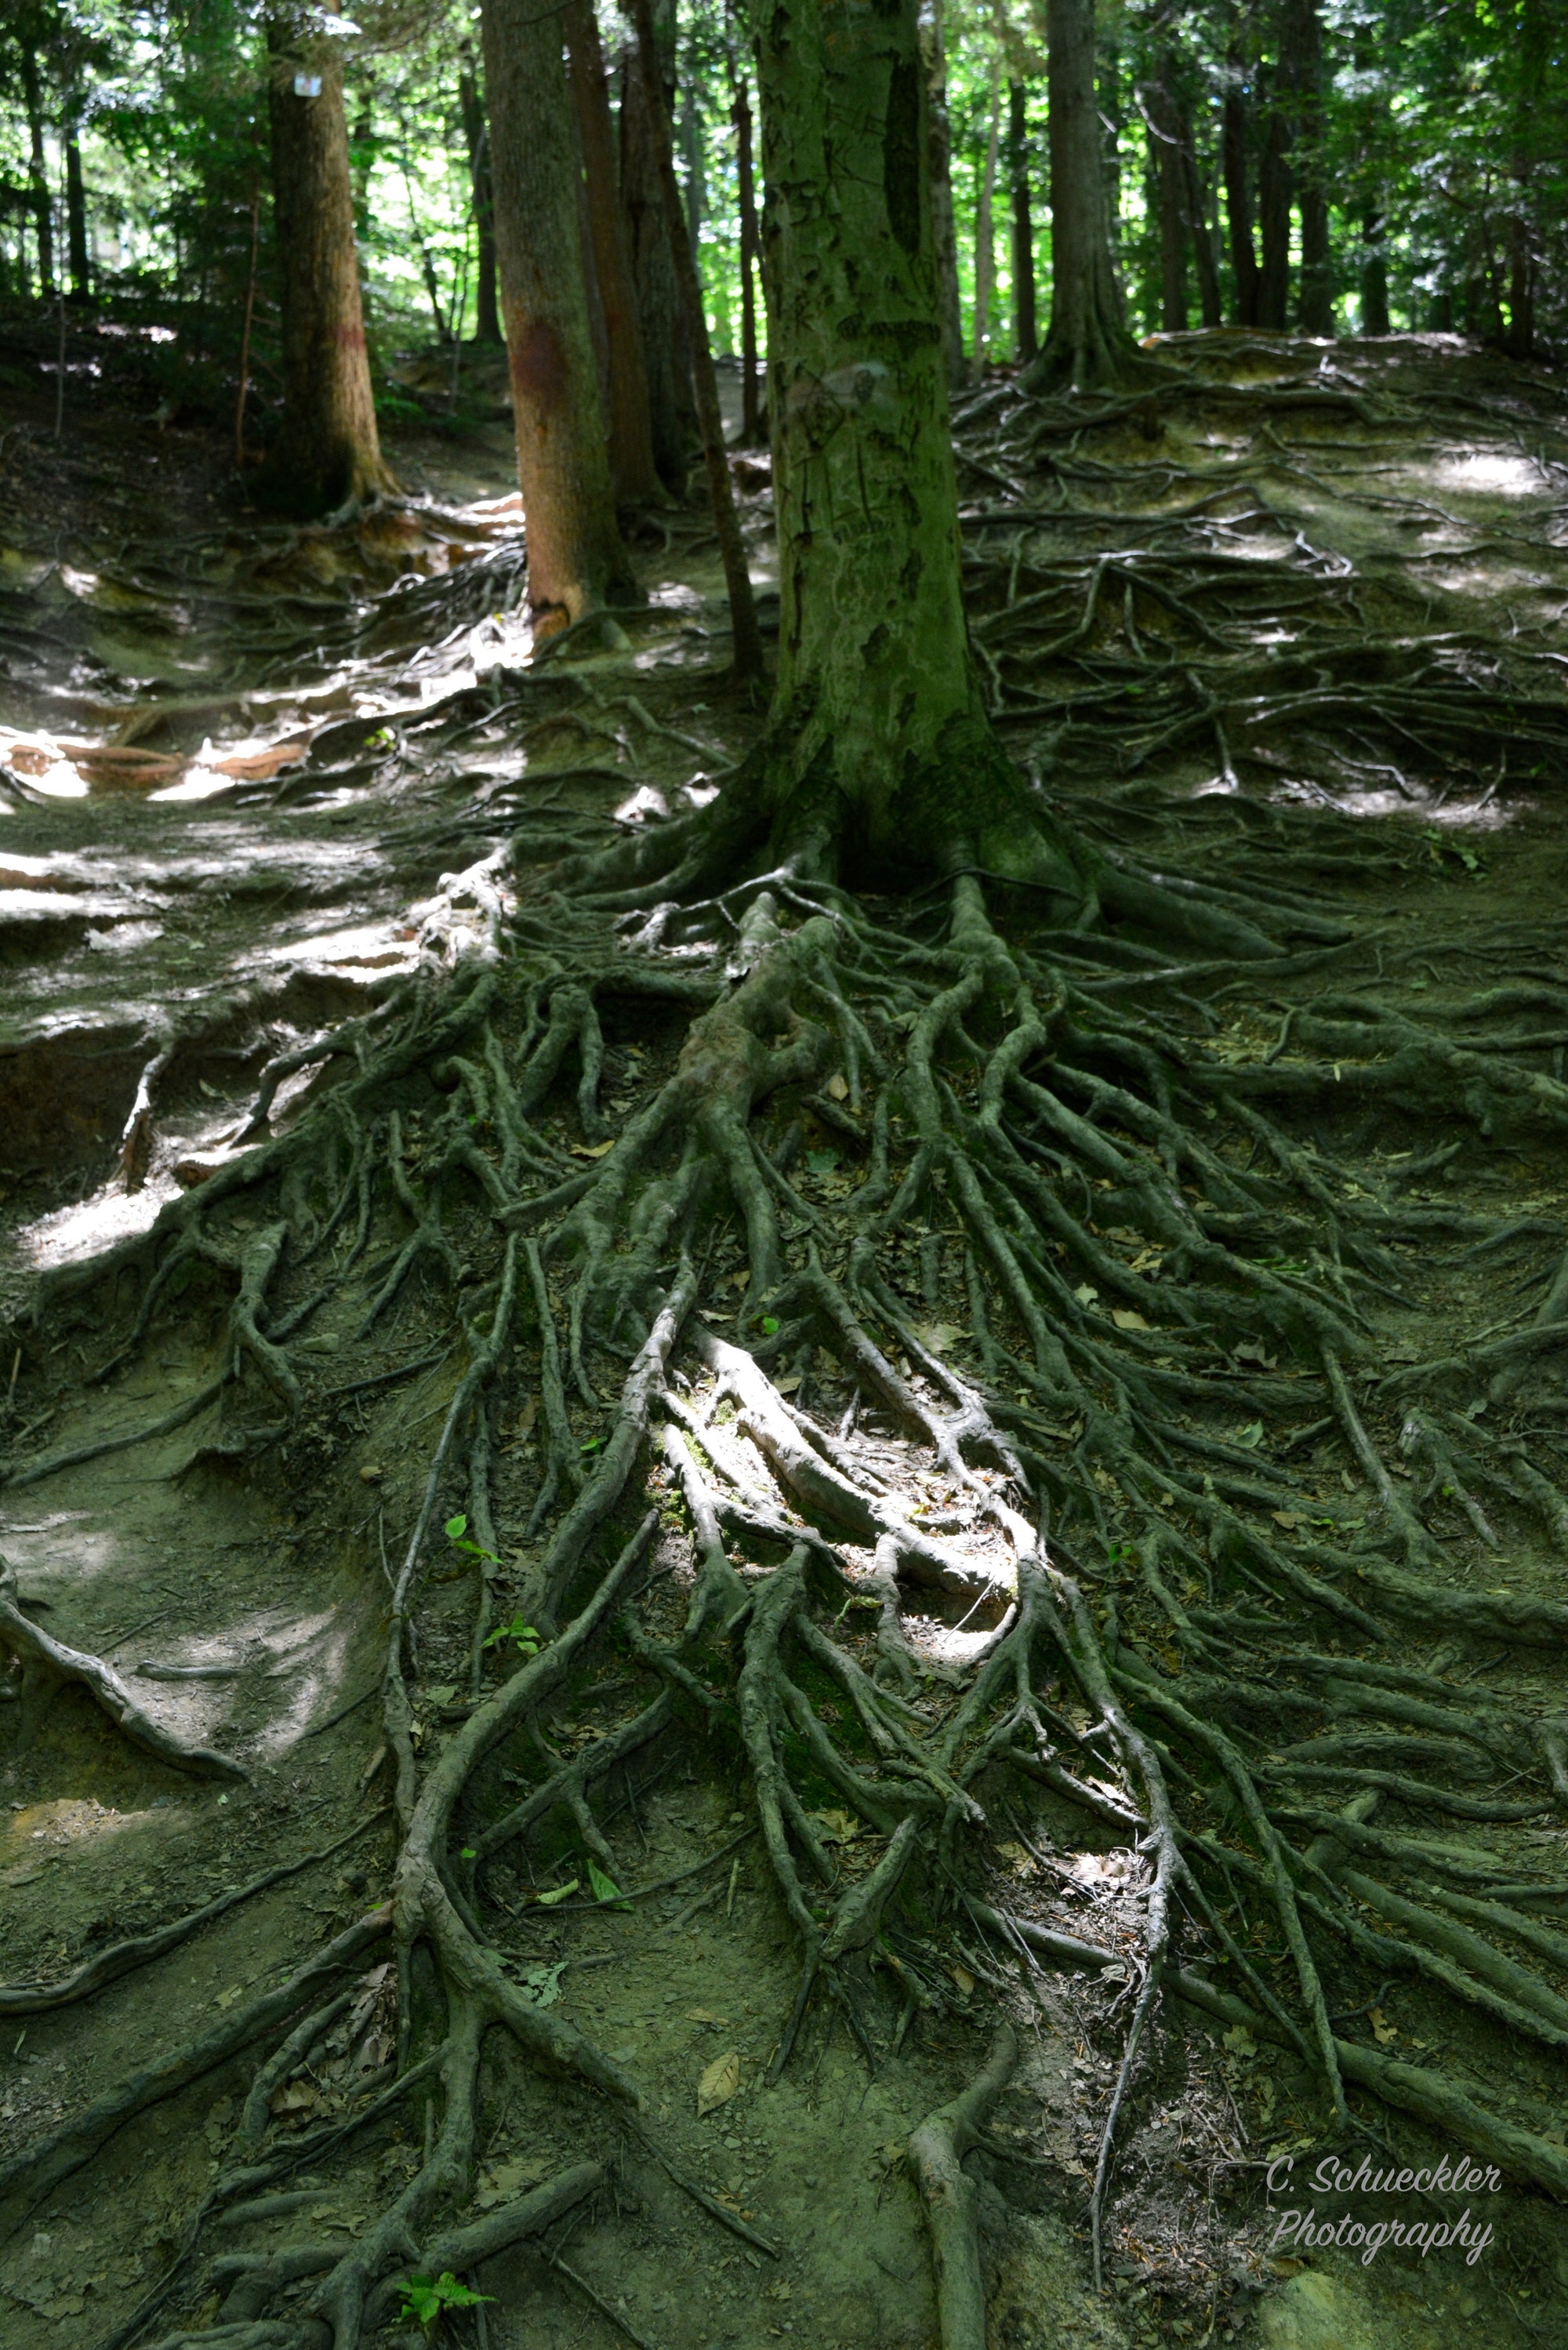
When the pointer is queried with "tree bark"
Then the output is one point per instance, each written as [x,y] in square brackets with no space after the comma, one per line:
[327,450]
[1316,291]
[1086,343]
[984,232]
[1373,274]
[745,635]
[76,219]
[1275,212]
[666,357]
[38,172]
[1023,326]
[1238,203]
[1165,134]
[633,471]
[476,135]
[576,563]
[945,232]
[750,401]
[1198,228]
[879,747]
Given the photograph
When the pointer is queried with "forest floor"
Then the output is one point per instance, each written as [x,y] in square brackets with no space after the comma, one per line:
[253,781]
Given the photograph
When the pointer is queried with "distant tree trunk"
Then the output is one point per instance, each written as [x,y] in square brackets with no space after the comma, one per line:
[476,136]
[1023,328]
[693,159]
[37,170]
[984,232]
[575,561]
[1373,274]
[632,470]
[327,450]
[751,431]
[666,357]
[1086,343]
[745,634]
[1275,212]
[1165,134]
[1316,293]
[1237,205]
[76,218]
[949,316]
[1531,83]
[1198,228]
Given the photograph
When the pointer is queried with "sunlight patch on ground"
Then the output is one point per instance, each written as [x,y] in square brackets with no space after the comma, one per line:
[33,1834]
[68,1235]
[1492,470]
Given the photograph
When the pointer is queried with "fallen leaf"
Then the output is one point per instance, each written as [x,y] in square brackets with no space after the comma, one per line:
[836,1827]
[1250,1437]
[1239,2041]
[718,2083]
[788,1384]
[558,1893]
[1126,1319]
[1086,1293]
[371,1472]
[940,1337]
[1382,2032]
[227,1998]
[1017,1858]
[836,1087]
[591,1150]
[704,2015]
[963,1978]
[1288,1518]
[299,2097]
[444,1695]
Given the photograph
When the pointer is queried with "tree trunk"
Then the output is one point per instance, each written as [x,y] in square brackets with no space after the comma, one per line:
[984,233]
[1197,227]
[37,170]
[949,315]
[1165,136]
[476,134]
[575,561]
[880,744]
[1237,205]
[696,204]
[751,431]
[672,408]
[745,634]
[1087,343]
[1374,276]
[1316,293]
[76,219]
[1023,328]
[633,471]
[327,450]
[1274,214]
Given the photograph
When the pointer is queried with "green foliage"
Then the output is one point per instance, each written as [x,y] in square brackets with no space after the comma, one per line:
[457,1535]
[425,2297]
[521,1636]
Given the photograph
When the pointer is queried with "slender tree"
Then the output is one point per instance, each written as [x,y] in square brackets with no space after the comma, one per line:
[984,229]
[75,213]
[577,563]
[1304,36]
[1234,146]
[477,138]
[751,399]
[37,170]
[1274,194]
[1087,342]
[939,169]
[629,416]
[1165,146]
[672,408]
[1023,326]
[327,450]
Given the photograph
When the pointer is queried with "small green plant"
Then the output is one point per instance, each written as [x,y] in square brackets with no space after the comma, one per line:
[605,1888]
[521,1636]
[425,2297]
[768,1324]
[457,1535]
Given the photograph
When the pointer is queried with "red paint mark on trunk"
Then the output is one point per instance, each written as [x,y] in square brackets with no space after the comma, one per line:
[539,370]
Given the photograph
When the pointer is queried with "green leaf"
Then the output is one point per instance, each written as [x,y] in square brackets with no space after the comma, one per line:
[592,1445]
[425,2297]
[468,1853]
[605,1888]
[770,1322]
[456,1528]
[558,1893]
[523,1635]
[1250,1437]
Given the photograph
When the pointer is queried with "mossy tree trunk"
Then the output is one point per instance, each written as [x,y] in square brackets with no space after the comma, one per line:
[1087,343]
[576,563]
[879,747]
[672,404]
[328,450]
